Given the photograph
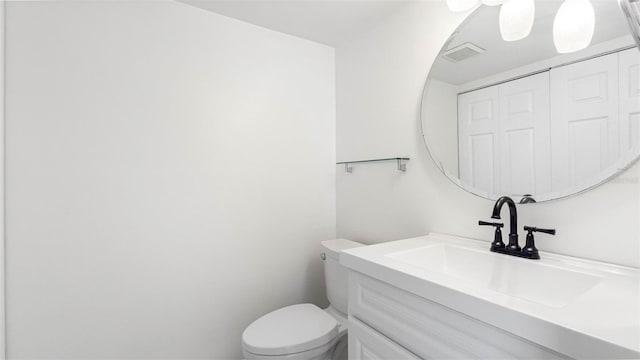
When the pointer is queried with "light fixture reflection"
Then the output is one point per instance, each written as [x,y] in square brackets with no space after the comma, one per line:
[493,2]
[461,5]
[573,26]
[516,19]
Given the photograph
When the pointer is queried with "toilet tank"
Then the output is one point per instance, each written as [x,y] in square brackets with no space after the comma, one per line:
[335,275]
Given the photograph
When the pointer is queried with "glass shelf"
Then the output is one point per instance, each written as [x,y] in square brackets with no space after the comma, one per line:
[400,161]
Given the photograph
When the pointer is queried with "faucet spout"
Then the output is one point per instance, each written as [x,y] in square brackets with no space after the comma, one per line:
[513,215]
[513,220]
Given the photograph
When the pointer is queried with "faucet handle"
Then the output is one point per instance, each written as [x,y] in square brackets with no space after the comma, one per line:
[530,249]
[497,225]
[535,229]
[497,237]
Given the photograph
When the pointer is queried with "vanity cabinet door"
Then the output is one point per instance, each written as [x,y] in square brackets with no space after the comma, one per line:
[430,330]
[366,343]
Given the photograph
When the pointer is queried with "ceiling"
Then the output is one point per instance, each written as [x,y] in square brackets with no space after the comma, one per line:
[482,29]
[327,22]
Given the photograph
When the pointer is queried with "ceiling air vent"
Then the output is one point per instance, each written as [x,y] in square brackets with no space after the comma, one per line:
[462,52]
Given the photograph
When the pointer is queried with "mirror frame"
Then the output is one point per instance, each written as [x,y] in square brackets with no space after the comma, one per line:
[631,10]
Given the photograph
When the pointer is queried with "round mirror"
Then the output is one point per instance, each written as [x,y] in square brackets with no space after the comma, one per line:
[519,119]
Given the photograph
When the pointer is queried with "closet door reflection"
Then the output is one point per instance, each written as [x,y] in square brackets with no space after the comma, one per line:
[584,121]
[525,140]
[478,140]
[504,137]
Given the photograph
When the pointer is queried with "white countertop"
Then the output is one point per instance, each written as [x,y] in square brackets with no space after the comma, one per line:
[602,321]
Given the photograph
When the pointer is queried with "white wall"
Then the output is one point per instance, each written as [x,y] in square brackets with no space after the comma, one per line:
[2,157]
[170,173]
[380,77]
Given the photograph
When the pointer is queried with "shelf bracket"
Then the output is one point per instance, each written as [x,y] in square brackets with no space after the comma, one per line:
[401,165]
[348,168]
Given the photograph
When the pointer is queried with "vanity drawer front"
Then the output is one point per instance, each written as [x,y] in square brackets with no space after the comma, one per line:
[366,343]
[431,330]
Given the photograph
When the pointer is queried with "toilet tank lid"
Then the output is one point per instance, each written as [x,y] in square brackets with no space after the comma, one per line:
[290,330]
[333,247]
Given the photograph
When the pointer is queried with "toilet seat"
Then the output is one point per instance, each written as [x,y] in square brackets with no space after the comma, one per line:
[289,330]
[320,353]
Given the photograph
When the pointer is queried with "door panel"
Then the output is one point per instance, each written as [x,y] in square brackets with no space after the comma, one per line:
[503,137]
[585,137]
[478,129]
[629,63]
[587,148]
[525,144]
[482,162]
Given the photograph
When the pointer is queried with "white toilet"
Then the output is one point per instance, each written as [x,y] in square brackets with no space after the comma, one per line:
[304,331]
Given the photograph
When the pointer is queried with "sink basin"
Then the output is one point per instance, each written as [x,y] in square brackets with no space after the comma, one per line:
[578,307]
[525,279]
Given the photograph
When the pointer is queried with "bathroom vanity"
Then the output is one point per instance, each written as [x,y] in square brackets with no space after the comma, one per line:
[439,296]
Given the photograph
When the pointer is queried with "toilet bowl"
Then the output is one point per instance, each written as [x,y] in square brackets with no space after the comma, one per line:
[305,331]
